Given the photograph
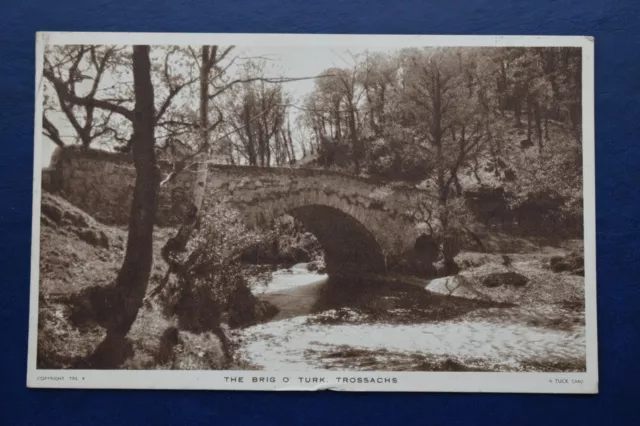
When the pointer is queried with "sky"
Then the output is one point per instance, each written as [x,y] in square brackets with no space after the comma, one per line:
[294,61]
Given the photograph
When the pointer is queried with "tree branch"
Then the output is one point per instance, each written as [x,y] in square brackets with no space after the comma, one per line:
[218,122]
[182,165]
[77,100]
[50,131]
[263,79]
[224,54]
[173,90]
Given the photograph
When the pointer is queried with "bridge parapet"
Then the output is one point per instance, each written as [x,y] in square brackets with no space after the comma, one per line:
[357,220]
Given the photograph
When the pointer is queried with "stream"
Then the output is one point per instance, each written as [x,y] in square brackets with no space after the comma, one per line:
[324,324]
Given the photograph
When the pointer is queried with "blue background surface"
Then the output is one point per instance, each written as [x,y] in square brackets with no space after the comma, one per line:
[616,27]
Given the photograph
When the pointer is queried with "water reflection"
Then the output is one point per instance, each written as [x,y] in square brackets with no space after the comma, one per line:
[297,292]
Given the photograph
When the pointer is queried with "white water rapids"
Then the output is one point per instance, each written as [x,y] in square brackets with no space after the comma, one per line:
[545,338]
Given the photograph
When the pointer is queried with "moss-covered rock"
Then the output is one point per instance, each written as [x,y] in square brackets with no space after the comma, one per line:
[572,263]
[508,278]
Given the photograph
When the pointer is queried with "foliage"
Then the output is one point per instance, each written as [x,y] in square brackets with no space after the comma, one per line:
[504,122]
[454,120]
[259,110]
[210,279]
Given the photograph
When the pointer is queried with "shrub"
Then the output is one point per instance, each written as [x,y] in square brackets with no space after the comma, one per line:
[210,287]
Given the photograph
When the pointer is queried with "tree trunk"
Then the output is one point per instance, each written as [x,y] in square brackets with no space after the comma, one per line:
[576,106]
[372,110]
[517,109]
[575,116]
[520,97]
[178,242]
[381,117]
[437,134]
[528,118]
[546,124]
[267,147]
[251,145]
[261,152]
[356,143]
[280,154]
[293,153]
[538,119]
[131,282]
[502,87]
[338,134]
[203,169]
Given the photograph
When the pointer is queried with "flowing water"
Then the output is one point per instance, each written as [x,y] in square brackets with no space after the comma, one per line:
[325,324]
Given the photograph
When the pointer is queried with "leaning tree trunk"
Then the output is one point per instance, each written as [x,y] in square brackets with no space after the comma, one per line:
[131,282]
[177,244]
[203,169]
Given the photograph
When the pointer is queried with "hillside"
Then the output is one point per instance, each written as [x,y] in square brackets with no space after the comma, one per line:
[509,183]
[77,253]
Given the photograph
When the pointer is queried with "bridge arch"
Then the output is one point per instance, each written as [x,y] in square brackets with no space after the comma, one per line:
[348,245]
[363,226]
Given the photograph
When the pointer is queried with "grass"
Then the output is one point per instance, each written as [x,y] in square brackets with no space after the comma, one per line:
[69,264]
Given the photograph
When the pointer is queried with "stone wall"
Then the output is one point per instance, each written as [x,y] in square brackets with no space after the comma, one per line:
[101,184]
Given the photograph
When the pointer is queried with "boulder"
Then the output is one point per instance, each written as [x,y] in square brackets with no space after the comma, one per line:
[47,221]
[317,266]
[509,175]
[424,269]
[75,219]
[526,143]
[427,248]
[93,237]
[265,252]
[458,286]
[508,278]
[92,305]
[572,263]
[245,309]
[103,239]
[264,310]
[52,212]
[294,255]
[169,339]
[198,309]
[88,236]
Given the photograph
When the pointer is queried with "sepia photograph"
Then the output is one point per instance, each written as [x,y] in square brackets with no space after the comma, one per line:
[313,212]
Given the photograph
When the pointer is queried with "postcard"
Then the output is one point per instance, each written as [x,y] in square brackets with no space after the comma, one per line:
[314,212]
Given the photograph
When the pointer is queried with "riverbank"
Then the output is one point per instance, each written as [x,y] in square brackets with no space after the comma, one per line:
[503,312]
[78,253]
[396,326]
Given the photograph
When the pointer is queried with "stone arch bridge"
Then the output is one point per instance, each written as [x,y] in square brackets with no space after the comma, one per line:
[364,226]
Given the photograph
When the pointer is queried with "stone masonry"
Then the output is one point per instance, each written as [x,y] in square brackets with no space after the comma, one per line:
[360,223]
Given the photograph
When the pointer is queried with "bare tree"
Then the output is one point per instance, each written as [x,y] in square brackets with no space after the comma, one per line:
[127,294]
[80,68]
